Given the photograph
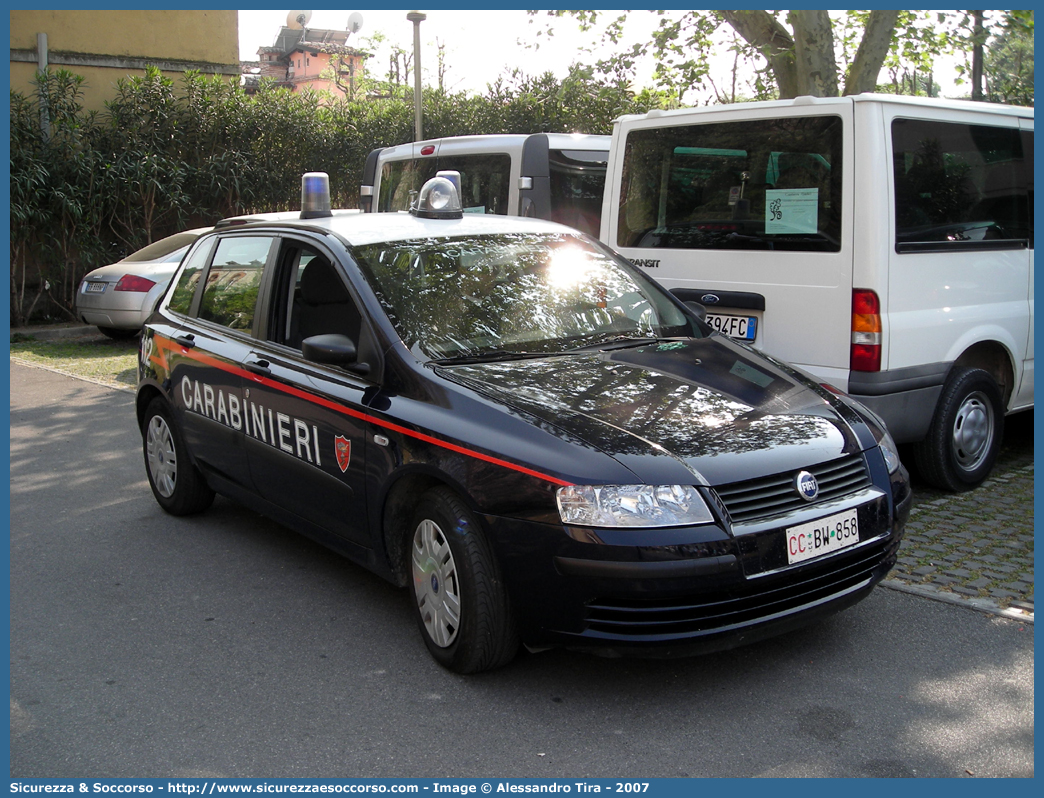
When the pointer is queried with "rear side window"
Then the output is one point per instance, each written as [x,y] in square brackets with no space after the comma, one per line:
[756,184]
[230,294]
[959,185]
[484,181]
[188,279]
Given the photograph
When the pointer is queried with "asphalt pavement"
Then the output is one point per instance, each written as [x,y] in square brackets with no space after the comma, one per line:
[224,645]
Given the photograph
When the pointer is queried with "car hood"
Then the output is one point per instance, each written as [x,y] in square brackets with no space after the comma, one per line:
[724,411]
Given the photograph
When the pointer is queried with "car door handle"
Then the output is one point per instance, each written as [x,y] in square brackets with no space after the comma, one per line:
[258,367]
[185,341]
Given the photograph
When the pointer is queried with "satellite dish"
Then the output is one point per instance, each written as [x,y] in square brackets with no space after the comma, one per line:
[355,22]
[298,19]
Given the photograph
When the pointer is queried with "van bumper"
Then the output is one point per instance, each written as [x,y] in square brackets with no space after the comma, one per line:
[904,398]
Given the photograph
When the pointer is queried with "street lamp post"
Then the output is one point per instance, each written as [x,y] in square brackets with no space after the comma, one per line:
[416,17]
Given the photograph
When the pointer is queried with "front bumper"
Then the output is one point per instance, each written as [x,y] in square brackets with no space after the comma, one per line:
[687,590]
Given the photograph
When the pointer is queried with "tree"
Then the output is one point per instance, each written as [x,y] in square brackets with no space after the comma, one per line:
[1009,67]
[792,52]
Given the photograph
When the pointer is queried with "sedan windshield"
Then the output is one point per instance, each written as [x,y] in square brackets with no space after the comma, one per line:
[515,294]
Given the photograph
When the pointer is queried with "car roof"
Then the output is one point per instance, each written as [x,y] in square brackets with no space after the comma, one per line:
[360,229]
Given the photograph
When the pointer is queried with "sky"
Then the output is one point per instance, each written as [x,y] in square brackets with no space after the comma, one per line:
[479,45]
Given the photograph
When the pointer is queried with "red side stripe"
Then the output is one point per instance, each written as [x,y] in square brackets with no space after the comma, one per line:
[207,360]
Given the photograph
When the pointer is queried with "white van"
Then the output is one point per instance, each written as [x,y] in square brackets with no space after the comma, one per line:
[883,243]
[555,176]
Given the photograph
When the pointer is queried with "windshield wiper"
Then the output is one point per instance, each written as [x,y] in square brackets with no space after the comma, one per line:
[490,356]
[619,342]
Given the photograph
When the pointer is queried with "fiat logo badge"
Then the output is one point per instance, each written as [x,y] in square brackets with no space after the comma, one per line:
[806,486]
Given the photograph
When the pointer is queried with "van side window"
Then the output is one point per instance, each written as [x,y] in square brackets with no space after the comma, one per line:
[577,185]
[484,181]
[957,183]
[756,184]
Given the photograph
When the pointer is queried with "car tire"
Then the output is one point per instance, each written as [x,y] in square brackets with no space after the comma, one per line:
[175,481]
[965,434]
[459,599]
[117,334]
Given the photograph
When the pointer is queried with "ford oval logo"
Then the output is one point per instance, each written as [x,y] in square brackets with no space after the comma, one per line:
[806,485]
[710,299]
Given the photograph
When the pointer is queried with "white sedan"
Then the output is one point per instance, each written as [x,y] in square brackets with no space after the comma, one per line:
[118,298]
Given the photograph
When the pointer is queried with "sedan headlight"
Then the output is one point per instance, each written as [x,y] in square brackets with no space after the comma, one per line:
[890,452]
[632,505]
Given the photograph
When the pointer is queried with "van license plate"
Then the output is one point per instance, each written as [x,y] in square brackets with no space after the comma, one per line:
[833,533]
[745,328]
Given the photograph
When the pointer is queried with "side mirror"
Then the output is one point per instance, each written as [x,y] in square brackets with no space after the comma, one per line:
[698,310]
[334,350]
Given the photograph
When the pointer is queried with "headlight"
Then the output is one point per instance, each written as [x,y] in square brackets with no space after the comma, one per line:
[632,505]
[890,452]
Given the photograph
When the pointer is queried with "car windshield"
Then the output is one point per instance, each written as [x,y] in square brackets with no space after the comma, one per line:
[515,294]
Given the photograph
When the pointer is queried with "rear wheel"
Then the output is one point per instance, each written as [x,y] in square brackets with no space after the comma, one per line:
[176,483]
[459,601]
[965,435]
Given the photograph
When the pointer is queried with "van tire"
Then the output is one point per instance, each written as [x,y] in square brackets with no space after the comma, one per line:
[965,434]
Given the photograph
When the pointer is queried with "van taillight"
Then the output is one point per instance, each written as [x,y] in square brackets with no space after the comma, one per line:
[866,331]
[428,149]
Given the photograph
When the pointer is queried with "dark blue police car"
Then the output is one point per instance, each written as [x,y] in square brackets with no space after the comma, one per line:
[507,417]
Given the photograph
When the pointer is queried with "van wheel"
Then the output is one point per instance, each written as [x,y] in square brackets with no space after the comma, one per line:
[176,483]
[460,602]
[962,442]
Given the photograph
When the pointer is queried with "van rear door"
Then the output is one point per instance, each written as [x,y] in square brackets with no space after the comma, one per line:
[748,210]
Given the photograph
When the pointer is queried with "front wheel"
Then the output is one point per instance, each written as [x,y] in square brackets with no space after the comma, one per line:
[176,483]
[460,602]
[965,435]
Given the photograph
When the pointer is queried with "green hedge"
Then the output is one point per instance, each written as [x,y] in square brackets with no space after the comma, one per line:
[168,155]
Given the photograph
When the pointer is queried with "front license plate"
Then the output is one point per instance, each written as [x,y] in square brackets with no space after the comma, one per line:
[833,533]
[745,328]
[95,288]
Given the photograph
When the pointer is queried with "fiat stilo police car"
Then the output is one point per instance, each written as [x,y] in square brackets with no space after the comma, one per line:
[510,420]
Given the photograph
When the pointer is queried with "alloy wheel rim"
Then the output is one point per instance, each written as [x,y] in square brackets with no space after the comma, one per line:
[973,431]
[163,461]
[435,584]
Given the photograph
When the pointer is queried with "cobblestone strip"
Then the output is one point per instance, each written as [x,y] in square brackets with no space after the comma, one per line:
[973,548]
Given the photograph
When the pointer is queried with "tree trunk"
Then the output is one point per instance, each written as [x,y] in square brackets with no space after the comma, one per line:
[814,53]
[880,28]
[978,39]
[760,29]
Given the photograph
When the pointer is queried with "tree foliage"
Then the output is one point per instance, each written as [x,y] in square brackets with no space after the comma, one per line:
[783,54]
[168,155]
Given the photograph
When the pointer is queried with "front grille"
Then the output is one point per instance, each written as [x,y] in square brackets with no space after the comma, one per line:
[755,499]
[693,615]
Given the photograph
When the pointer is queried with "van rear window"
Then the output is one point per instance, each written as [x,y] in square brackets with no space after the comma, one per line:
[956,184]
[756,184]
[484,181]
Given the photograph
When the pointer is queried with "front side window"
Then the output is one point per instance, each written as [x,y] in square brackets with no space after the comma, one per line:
[756,184]
[514,294]
[230,294]
[958,183]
